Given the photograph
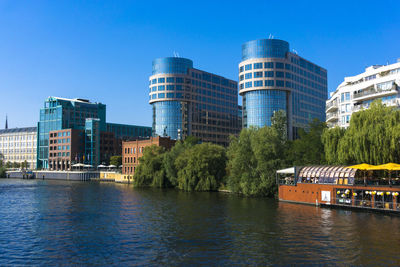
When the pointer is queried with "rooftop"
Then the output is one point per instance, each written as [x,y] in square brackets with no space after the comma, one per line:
[18,130]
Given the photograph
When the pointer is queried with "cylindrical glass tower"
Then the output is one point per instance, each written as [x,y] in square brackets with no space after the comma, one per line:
[167,96]
[262,81]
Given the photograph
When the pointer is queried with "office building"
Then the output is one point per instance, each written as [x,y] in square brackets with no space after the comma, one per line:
[357,92]
[19,145]
[272,78]
[188,101]
[133,150]
[100,140]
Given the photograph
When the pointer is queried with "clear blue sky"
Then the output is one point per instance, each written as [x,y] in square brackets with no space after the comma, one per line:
[103,50]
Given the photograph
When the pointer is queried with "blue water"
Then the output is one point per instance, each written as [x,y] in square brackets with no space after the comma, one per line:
[87,223]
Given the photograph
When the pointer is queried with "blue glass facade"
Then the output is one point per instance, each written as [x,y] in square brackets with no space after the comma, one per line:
[171,65]
[265,48]
[268,65]
[260,106]
[192,102]
[167,119]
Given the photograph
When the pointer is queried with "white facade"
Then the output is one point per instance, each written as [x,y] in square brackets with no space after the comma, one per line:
[18,145]
[358,92]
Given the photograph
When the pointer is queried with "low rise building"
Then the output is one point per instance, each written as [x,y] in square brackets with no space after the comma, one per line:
[133,150]
[358,92]
[19,145]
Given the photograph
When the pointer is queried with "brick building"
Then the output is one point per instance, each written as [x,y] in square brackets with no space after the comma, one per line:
[133,150]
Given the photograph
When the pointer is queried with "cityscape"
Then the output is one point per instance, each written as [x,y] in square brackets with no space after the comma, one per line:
[212,156]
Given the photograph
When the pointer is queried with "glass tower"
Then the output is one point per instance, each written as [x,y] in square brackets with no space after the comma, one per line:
[272,78]
[61,113]
[187,101]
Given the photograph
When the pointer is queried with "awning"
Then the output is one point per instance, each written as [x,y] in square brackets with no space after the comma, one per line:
[286,171]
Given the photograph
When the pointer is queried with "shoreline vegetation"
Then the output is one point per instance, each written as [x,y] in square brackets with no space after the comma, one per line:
[248,165]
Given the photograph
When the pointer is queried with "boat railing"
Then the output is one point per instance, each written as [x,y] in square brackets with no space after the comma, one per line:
[365,203]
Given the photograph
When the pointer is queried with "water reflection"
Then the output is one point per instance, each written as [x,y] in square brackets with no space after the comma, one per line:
[76,223]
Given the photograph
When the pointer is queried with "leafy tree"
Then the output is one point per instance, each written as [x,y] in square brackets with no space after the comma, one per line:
[279,122]
[16,165]
[309,149]
[201,167]
[331,139]
[116,160]
[150,171]
[9,165]
[253,158]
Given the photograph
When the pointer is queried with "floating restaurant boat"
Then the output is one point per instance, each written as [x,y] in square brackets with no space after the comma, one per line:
[361,186]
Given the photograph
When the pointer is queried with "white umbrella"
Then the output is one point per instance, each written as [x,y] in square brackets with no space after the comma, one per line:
[101,166]
[78,165]
[112,166]
[87,166]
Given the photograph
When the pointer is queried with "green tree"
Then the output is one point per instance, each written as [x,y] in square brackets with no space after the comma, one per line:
[116,160]
[9,165]
[201,167]
[16,165]
[373,136]
[308,149]
[331,139]
[253,158]
[150,171]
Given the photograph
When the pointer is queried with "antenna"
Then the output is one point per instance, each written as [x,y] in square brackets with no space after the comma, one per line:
[176,54]
[294,51]
[271,36]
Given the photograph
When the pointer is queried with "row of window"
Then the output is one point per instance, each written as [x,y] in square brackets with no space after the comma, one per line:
[261,83]
[59,148]
[129,159]
[59,154]
[130,169]
[60,141]
[178,87]
[17,137]
[267,65]
[132,150]
[169,95]
[7,151]
[27,144]
[60,134]
[168,79]
[214,79]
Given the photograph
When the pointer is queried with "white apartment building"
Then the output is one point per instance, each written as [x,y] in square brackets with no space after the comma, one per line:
[18,145]
[358,92]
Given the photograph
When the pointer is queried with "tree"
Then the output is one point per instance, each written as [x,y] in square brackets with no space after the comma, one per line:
[201,167]
[116,160]
[331,139]
[16,165]
[24,165]
[253,158]
[308,149]
[150,171]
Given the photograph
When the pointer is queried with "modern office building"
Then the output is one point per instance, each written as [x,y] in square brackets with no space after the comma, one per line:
[133,150]
[188,101]
[100,139]
[272,78]
[357,92]
[19,145]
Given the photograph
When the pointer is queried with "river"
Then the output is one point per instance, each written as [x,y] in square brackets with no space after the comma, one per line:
[89,223]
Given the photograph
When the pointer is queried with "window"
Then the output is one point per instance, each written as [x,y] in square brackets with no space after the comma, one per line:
[269,74]
[170,87]
[179,80]
[342,108]
[347,96]
[154,81]
[280,83]
[249,84]
[269,82]
[280,74]
[170,95]
[161,87]
[258,74]
[247,67]
[179,87]
[257,66]
[248,76]
[241,86]
[241,69]
[241,77]
[269,65]
[279,65]
[170,79]
[287,66]
[258,83]
[342,97]
[161,80]
[162,95]
[348,108]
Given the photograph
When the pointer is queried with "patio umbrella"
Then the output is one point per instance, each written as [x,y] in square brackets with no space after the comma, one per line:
[101,166]
[389,167]
[362,167]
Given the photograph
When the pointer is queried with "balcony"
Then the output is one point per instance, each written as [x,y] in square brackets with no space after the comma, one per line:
[332,106]
[332,117]
[374,93]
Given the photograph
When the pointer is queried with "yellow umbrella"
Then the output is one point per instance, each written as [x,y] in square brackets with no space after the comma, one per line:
[388,167]
[363,167]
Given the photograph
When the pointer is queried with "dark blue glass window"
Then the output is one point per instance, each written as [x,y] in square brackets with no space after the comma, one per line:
[248,76]
[162,95]
[241,77]
[170,79]
[249,84]
[269,74]
[280,83]
[161,87]
[265,48]
[269,65]
[248,67]
[167,118]
[258,74]
[161,80]
[170,95]
[258,83]
[179,87]
[269,82]
[154,81]
[179,80]
[280,74]
[279,65]
[241,69]
[170,87]
[258,66]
